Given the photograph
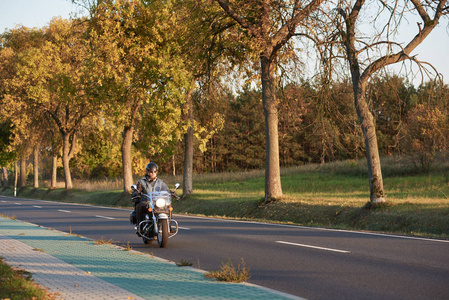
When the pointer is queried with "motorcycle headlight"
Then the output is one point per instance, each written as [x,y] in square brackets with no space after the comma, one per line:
[160,202]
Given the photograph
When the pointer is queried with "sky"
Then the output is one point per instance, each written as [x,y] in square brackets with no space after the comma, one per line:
[38,13]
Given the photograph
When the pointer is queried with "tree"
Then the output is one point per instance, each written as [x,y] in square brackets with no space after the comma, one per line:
[23,169]
[19,117]
[139,71]
[53,144]
[379,51]
[390,98]
[271,25]
[6,136]
[100,152]
[5,181]
[55,80]
[6,157]
[206,35]
[425,133]
[317,122]
[245,137]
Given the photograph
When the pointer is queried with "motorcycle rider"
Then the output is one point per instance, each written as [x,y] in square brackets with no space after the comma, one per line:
[149,183]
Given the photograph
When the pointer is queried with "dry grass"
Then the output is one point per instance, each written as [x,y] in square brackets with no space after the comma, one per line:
[127,247]
[229,273]
[102,241]
[8,217]
[91,185]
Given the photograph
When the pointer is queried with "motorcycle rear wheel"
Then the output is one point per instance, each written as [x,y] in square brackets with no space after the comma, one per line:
[162,235]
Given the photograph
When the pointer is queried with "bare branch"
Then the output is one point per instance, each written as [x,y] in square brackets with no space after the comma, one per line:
[429,25]
[377,44]
[244,23]
[288,29]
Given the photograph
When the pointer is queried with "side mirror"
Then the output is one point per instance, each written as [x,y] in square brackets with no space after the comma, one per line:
[134,187]
[177,185]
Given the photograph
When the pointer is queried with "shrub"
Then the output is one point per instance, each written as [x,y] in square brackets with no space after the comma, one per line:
[425,134]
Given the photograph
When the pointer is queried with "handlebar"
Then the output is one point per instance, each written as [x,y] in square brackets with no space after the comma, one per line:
[173,194]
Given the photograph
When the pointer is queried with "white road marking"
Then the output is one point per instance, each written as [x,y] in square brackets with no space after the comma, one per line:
[66,211]
[319,229]
[314,247]
[3,201]
[37,206]
[271,224]
[103,217]
[185,228]
[18,203]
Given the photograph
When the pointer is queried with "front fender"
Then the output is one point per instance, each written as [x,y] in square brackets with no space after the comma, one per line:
[162,217]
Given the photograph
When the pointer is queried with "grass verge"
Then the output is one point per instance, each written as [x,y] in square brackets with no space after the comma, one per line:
[17,285]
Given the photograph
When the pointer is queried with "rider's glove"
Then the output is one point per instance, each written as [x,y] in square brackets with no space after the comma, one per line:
[135,197]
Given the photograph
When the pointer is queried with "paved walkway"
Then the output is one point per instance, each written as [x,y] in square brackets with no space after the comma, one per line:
[73,267]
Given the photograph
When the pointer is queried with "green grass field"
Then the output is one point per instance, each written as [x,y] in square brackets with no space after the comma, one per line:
[331,195]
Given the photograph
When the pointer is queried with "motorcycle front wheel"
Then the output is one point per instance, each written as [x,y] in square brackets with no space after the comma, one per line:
[162,235]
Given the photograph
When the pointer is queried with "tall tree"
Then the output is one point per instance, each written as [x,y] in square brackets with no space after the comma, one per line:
[367,56]
[205,35]
[271,25]
[15,116]
[139,71]
[23,169]
[55,80]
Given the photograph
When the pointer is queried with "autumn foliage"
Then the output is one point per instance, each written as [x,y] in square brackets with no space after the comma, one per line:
[101,95]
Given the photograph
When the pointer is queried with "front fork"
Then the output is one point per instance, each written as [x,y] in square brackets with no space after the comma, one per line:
[155,227]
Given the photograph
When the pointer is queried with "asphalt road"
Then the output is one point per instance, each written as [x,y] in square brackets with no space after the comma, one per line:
[308,262]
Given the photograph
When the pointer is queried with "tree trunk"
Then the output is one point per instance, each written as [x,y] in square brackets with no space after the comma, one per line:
[366,118]
[23,173]
[187,178]
[15,177]
[54,172]
[66,160]
[128,132]
[36,166]
[273,188]
[5,177]
[372,151]
[187,184]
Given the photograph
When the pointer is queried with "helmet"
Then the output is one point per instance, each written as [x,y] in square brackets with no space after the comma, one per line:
[151,167]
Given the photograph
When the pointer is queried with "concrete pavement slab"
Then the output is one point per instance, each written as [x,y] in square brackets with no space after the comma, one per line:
[75,267]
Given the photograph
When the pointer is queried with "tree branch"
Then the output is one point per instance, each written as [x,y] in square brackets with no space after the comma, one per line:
[244,23]
[429,25]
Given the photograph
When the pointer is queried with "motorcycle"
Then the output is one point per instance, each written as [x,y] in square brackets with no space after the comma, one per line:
[157,223]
